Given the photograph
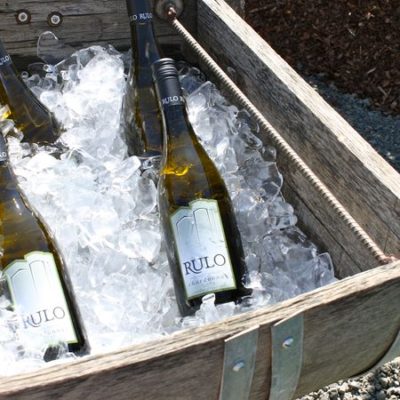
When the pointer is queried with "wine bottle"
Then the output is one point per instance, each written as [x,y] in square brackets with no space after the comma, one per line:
[141,120]
[203,242]
[30,116]
[37,281]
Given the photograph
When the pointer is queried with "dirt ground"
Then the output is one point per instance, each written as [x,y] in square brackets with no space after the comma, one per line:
[353,43]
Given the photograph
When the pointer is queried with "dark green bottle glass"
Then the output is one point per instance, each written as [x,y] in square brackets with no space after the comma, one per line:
[37,281]
[141,120]
[30,116]
[202,239]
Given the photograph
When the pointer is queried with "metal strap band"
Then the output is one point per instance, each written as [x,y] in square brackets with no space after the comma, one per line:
[287,357]
[239,363]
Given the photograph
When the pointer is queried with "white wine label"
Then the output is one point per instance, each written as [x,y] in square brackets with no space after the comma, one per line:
[141,17]
[38,297]
[201,244]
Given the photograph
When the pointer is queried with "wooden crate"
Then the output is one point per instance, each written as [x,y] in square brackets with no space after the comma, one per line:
[338,331]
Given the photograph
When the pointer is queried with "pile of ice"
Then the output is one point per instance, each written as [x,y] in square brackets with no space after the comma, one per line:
[103,210]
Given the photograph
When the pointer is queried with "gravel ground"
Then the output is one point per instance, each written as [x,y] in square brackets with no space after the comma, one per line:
[382,384]
[380,130]
[383,133]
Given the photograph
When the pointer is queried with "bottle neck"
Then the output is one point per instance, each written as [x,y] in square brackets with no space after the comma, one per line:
[177,125]
[5,59]
[139,10]
[144,46]
[7,68]
[6,176]
[10,84]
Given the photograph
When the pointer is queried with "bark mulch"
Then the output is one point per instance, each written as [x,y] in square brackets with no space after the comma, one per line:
[354,43]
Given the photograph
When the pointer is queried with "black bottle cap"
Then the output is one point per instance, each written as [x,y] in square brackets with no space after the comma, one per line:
[167,82]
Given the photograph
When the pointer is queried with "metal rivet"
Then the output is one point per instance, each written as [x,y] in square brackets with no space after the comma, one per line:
[24,74]
[23,17]
[55,19]
[288,342]
[238,366]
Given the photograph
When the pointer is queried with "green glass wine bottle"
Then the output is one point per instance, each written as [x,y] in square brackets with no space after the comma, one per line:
[37,281]
[202,239]
[30,116]
[141,120]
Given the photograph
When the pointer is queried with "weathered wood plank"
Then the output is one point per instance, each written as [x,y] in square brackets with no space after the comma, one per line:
[362,181]
[336,227]
[188,365]
[331,347]
[84,23]
[238,6]
[325,240]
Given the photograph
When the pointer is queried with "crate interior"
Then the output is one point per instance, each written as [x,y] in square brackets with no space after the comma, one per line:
[142,370]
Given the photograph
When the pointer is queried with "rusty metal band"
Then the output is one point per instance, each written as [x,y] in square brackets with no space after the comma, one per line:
[281,143]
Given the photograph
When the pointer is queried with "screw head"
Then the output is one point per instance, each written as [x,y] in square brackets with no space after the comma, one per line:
[288,342]
[239,365]
[55,19]
[24,74]
[23,17]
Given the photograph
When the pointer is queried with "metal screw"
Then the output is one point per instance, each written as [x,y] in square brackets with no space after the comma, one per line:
[288,342]
[23,17]
[238,366]
[55,19]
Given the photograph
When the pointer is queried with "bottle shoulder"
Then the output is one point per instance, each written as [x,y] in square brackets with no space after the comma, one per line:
[21,231]
[189,174]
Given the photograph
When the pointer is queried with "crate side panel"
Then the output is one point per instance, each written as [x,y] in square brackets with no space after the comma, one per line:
[175,377]
[189,364]
[325,240]
[346,338]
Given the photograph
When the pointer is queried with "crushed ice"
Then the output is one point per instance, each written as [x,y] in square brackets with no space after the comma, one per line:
[103,211]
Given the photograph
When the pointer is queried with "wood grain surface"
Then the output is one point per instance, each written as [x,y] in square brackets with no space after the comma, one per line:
[84,23]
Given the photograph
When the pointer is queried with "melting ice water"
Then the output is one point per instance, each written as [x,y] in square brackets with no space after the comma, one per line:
[104,215]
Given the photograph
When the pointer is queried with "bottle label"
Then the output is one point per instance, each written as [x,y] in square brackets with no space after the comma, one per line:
[202,250]
[38,297]
[3,148]
[172,101]
[141,17]
[5,59]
